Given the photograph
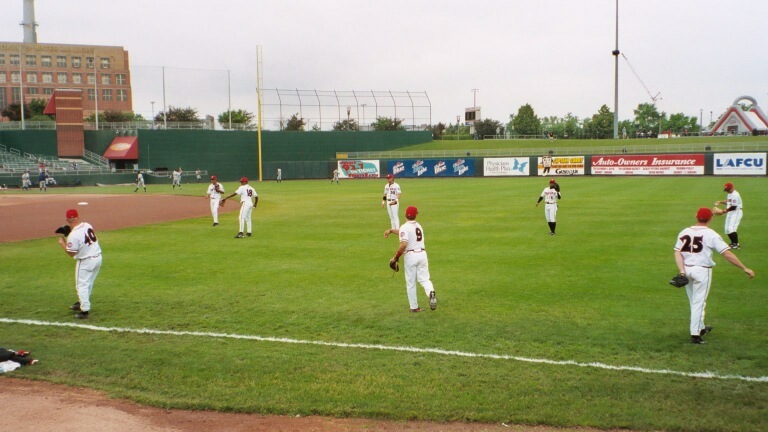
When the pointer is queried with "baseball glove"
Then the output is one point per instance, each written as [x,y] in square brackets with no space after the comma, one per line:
[394,265]
[64,230]
[717,211]
[221,203]
[679,281]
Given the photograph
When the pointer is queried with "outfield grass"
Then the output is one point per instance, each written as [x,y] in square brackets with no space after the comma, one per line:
[316,270]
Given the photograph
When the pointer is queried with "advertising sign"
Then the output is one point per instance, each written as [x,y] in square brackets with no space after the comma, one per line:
[739,164]
[506,167]
[460,167]
[561,165]
[349,169]
[664,164]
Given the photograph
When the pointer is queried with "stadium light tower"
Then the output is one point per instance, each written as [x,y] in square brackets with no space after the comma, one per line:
[616,53]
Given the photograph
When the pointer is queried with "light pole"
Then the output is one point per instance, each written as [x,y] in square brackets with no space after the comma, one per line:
[458,128]
[474,97]
[153,114]
[348,111]
[363,105]
[616,53]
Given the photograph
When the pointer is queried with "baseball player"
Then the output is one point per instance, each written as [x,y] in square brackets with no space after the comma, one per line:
[215,189]
[550,197]
[335,176]
[248,201]
[42,180]
[693,256]
[391,200]
[733,210]
[140,183]
[25,182]
[82,245]
[279,175]
[416,263]
[177,178]
[197,175]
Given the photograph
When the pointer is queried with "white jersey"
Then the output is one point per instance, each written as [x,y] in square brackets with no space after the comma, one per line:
[733,199]
[696,244]
[392,191]
[140,179]
[82,240]
[246,193]
[412,233]
[212,190]
[176,176]
[550,195]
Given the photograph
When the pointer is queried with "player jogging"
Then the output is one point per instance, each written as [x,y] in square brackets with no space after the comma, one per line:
[140,183]
[391,200]
[550,197]
[215,189]
[248,201]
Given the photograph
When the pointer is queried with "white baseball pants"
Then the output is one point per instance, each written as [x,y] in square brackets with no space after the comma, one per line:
[85,275]
[698,291]
[416,269]
[246,210]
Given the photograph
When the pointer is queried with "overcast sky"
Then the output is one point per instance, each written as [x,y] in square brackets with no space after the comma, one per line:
[698,55]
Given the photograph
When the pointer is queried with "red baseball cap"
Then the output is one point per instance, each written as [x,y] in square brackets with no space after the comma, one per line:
[72,213]
[704,214]
[728,187]
[244,180]
[551,180]
[390,176]
[411,212]
[213,177]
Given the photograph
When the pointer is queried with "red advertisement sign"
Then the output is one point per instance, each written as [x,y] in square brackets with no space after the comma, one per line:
[661,164]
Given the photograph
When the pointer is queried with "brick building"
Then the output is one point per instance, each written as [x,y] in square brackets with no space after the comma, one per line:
[37,69]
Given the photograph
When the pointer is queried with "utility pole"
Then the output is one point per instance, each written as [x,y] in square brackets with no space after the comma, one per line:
[474,97]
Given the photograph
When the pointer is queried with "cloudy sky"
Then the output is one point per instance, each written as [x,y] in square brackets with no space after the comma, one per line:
[696,55]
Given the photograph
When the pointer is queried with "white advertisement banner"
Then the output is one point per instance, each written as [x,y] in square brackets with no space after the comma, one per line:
[672,164]
[739,164]
[561,165]
[506,167]
[349,169]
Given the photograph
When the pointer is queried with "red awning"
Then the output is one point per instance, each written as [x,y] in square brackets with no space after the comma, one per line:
[123,148]
[50,107]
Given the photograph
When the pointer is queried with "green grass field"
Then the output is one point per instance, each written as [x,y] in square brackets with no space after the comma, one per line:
[316,271]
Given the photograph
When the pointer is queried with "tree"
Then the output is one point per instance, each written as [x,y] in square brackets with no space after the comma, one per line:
[13,112]
[601,124]
[570,126]
[387,124]
[526,122]
[294,123]
[679,123]
[647,118]
[176,114]
[346,125]
[487,127]
[438,130]
[37,106]
[239,117]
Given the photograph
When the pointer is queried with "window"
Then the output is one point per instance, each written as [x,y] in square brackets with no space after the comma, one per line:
[89,62]
[3,99]
[105,63]
[61,77]
[45,61]
[2,77]
[106,94]
[91,78]
[2,59]
[15,95]
[61,61]
[15,77]
[106,79]
[14,59]
[91,94]
[31,60]
[122,95]
[76,62]
[120,79]
[31,77]
[33,90]
[77,78]
[47,90]
[47,77]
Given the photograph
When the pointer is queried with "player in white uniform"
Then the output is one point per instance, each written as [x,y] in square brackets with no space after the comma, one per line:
[248,200]
[177,178]
[693,256]
[140,182]
[82,245]
[197,175]
[279,175]
[215,189]
[391,200]
[733,210]
[550,197]
[335,176]
[25,182]
[416,263]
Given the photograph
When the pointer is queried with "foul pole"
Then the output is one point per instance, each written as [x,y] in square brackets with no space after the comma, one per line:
[259,85]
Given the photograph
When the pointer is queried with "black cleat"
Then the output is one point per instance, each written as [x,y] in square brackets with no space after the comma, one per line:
[215,224]
[239,235]
[248,235]
[82,315]
[705,330]
[75,307]
[697,340]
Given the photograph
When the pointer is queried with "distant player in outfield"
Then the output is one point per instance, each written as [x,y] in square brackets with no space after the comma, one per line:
[140,183]
[335,176]
[279,175]
[215,189]
[550,197]
[197,175]
[391,200]
[177,178]
[248,201]
[693,256]
[416,263]
[733,210]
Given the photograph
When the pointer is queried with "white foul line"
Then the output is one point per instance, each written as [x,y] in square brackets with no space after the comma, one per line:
[597,365]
